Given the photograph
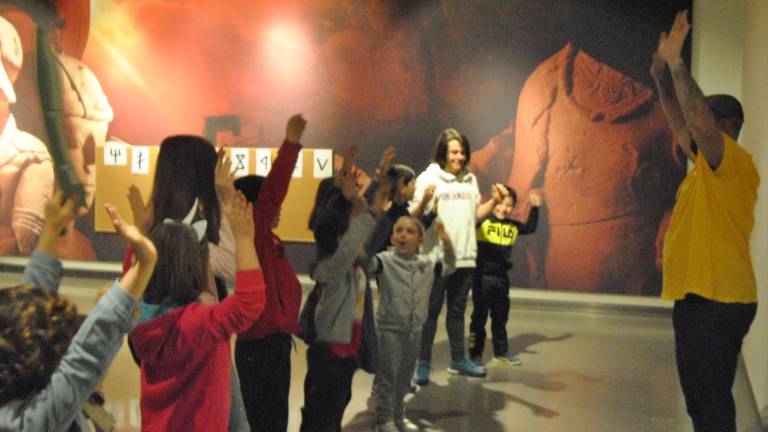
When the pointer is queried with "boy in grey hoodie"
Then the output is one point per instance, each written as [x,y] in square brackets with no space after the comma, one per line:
[404,277]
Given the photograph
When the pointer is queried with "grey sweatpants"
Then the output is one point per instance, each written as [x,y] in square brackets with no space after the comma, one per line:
[398,351]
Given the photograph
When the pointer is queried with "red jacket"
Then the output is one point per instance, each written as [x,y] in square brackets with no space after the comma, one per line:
[185,359]
[281,314]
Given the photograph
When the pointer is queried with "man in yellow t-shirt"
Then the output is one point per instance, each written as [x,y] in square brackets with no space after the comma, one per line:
[707,267]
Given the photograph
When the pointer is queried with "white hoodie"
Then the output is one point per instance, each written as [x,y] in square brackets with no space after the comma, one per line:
[457,197]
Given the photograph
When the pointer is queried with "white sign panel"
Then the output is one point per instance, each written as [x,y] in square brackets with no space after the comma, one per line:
[299,168]
[322,164]
[263,161]
[140,160]
[115,153]
[240,161]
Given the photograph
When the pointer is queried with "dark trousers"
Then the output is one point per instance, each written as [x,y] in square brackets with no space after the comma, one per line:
[454,288]
[490,293]
[327,389]
[264,366]
[708,337]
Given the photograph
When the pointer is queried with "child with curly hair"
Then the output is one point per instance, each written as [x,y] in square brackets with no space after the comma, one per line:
[48,368]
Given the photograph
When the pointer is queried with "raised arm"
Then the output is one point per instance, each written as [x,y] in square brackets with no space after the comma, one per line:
[135,280]
[498,192]
[43,268]
[100,336]
[236,312]
[669,104]
[697,114]
[275,187]
[361,226]
[533,215]
[426,198]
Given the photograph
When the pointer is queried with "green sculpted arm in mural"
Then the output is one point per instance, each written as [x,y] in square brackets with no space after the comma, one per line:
[669,104]
[698,117]
[50,99]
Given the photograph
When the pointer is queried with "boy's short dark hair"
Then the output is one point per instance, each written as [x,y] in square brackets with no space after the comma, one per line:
[250,186]
[512,193]
[725,106]
[397,172]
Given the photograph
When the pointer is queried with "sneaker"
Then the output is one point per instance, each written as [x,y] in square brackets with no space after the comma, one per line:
[478,360]
[386,427]
[405,425]
[421,376]
[466,367]
[508,358]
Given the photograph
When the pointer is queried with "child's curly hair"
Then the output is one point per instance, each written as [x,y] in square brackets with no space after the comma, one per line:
[36,328]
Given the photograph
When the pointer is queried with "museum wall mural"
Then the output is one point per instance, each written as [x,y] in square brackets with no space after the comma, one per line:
[553,95]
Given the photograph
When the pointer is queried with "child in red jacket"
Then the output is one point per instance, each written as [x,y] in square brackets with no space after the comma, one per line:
[183,344]
[263,351]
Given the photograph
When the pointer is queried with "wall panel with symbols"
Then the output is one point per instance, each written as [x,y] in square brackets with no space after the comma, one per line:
[118,165]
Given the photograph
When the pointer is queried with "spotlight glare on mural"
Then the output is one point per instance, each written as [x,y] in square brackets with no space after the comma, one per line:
[288,53]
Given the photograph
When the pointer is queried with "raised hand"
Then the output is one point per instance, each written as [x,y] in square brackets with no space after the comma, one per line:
[294,129]
[131,233]
[346,179]
[142,213]
[442,234]
[384,163]
[135,280]
[57,215]
[380,200]
[240,216]
[498,192]
[429,192]
[536,197]
[657,64]
[225,179]
[673,44]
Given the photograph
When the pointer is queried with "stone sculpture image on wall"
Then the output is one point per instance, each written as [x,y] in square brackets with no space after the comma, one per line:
[87,114]
[26,170]
[597,143]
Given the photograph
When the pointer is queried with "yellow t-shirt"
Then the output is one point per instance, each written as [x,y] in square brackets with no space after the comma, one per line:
[706,251]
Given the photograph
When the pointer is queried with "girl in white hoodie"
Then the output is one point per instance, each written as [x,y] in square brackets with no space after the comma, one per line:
[456,189]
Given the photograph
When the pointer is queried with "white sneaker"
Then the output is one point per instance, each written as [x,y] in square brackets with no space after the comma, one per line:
[405,425]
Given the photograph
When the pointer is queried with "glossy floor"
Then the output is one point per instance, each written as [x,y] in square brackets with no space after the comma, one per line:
[582,371]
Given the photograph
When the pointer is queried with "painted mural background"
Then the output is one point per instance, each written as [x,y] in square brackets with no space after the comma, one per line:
[551,94]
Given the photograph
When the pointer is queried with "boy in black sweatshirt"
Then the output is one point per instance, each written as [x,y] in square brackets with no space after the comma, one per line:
[490,290]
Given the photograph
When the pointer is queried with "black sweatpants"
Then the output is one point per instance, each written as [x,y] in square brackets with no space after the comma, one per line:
[490,293]
[327,389]
[708,338]
[264,366]
[453,289]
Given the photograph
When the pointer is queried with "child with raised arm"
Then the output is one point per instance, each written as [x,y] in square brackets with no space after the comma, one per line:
[45,379]
[458,193]
[341,222]
[183,344]
[401,181]
[263,352]
[405,279]
[496,236]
